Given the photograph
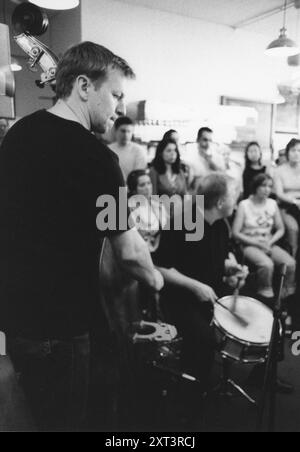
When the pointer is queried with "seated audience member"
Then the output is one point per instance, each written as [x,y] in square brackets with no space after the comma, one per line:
[253,166]
[287,189]
[205,159]
[234,170]
[147,214]
[258,226]
[131,155]
[173,135]
[166,173]
[281,159]
[3,129]
[151,151]
[195,272]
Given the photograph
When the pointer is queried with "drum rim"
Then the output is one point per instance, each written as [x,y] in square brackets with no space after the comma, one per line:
[242,360]
[231,336]
[241,341]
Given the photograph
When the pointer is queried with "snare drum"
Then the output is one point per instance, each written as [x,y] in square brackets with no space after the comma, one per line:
[245,344]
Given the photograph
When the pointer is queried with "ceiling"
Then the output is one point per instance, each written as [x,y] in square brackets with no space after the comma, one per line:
[229,12]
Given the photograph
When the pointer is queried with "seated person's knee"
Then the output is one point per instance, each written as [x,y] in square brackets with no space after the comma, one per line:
[269,265]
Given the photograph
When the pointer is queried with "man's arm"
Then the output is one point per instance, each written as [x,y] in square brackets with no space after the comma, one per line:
[201,291]
[134,257]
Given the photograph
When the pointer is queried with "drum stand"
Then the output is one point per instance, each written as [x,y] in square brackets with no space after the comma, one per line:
[168,372]
[275,354]
[227,384]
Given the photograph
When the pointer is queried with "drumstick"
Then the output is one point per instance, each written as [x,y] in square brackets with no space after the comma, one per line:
[236,294]
[238,317]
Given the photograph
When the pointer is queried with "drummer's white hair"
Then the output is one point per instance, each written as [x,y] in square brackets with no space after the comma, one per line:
[214,187]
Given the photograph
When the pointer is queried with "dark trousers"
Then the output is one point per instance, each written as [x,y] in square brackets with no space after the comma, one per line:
[192,320]
[54,375]
[15,415]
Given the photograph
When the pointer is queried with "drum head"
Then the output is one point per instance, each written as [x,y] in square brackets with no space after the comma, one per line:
[256,314]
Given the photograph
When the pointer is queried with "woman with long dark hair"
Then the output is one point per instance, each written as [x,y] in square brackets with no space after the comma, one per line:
[167,175]
[171,134]
[253,166]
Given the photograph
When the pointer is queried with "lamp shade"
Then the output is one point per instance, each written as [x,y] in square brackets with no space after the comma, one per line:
[15,65]
[56,4]
[294,60]
[283,46]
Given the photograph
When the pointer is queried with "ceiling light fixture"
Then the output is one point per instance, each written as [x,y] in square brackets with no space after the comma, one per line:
[283,46]
[56,4]
[294,60]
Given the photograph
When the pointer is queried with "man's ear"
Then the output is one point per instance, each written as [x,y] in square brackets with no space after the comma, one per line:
[83,84]
[220,204]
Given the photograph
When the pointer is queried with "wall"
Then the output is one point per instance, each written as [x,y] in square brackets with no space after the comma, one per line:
[179,59]
[65,30]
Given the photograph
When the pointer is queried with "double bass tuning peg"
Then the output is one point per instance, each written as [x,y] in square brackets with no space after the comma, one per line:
[31,64]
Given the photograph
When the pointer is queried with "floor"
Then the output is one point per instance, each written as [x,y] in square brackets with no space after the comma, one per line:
[218,413]
[236,415]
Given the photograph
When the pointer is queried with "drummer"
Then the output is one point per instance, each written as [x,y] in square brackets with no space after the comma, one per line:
[198,273]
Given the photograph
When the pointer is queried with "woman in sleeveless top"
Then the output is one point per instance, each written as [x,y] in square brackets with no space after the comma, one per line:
[258,227]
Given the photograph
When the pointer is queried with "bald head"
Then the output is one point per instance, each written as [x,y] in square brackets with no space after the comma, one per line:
[219,195]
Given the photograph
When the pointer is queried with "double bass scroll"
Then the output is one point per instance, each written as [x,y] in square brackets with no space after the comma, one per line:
[29,21]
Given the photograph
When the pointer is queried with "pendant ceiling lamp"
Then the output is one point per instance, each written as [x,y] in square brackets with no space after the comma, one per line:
[56,4]
[294,60]
[283,46]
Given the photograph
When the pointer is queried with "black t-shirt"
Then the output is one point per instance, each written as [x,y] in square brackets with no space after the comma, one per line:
[202,260]
[51,173]
[248,177]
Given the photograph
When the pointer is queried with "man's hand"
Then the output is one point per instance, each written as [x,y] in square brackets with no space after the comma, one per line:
[235,273]
[232,267]
[204,293]
[239,279]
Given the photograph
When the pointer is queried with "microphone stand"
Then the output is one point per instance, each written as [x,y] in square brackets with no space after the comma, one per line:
[275,350]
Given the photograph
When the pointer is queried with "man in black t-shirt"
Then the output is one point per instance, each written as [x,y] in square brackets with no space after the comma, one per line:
[52,172]
[198,273]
